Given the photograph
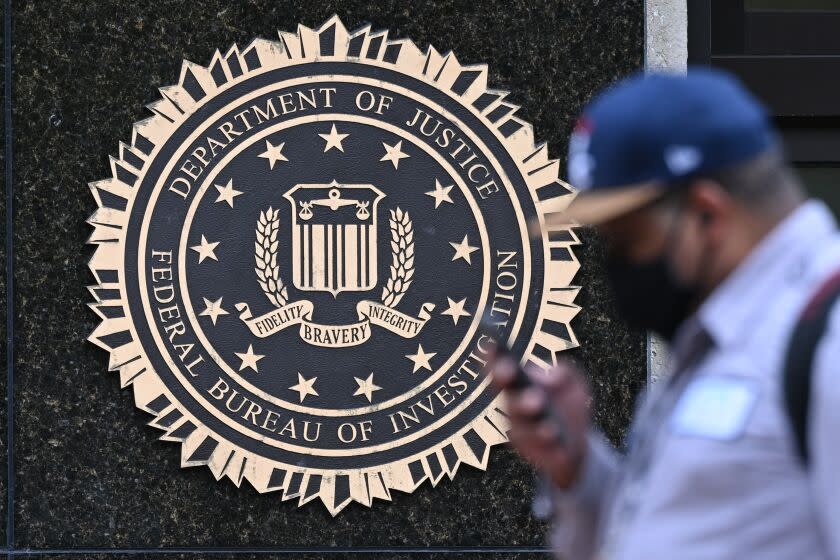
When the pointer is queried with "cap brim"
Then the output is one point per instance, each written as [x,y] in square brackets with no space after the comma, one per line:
[603,205]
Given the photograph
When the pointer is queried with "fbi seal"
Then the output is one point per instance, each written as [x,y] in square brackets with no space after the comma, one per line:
[293,253]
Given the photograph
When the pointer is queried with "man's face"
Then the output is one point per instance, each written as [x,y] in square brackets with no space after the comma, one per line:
[655,265]
[702,235]
[672,229]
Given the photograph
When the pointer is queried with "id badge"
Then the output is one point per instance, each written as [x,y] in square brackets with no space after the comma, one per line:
[715,408]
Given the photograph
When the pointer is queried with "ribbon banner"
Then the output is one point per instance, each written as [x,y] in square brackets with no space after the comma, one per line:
[335,336]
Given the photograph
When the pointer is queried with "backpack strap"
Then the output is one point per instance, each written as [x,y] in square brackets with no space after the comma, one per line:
[799,360]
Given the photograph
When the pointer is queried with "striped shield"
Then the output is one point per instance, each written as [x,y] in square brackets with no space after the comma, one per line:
[334,237]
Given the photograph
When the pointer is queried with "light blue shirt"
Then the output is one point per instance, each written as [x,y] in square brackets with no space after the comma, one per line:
[723,480]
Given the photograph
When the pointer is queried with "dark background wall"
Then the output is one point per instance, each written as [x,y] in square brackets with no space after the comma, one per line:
[87,473]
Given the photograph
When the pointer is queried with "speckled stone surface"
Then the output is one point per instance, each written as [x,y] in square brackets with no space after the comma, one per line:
[88,472]
[413,554]
[3,307]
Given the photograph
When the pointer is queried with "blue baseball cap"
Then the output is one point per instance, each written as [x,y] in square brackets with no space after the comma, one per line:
[641,136]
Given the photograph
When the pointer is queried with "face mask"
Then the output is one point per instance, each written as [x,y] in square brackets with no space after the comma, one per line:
[648,296]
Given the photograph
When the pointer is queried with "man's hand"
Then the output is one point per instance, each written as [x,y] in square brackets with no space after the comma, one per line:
[555,443]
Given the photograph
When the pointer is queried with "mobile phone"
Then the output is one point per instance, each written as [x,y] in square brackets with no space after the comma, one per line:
[489,328]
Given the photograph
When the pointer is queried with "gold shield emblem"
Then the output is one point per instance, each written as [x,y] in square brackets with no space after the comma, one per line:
[334,237]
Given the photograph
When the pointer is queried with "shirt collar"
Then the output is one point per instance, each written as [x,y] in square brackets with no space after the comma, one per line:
[726,312]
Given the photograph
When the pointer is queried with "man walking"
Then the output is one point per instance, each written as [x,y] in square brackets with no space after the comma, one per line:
[713,245]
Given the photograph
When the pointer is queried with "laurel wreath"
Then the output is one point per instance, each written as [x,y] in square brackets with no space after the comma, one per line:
[268,272]
[402,257]
[265,253]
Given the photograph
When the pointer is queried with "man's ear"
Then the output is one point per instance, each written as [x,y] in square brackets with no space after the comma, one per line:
[711,203]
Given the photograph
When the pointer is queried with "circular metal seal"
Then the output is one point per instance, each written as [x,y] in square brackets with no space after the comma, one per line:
[293,253]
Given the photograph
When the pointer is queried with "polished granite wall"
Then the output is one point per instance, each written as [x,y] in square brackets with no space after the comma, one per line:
[88,474]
